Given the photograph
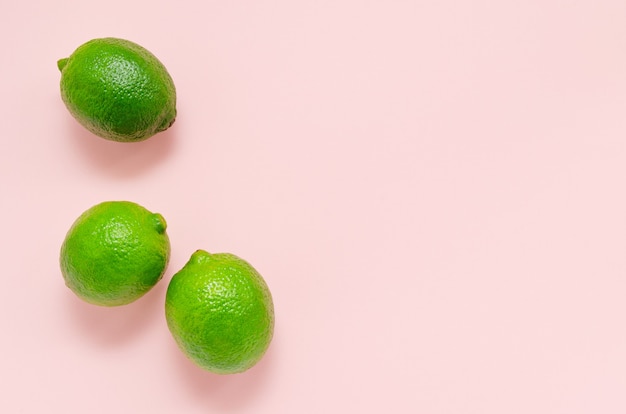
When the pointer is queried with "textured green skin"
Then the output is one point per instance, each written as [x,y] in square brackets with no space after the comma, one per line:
[114,253]
[220,312]
[118,90]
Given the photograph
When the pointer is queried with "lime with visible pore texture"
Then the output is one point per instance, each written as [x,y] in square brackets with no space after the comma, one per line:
[118,90]
[114,253]
[220,312]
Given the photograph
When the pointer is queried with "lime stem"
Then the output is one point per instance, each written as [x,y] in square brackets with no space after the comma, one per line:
[61,63]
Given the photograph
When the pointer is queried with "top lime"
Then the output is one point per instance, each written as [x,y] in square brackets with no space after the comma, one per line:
[118,90]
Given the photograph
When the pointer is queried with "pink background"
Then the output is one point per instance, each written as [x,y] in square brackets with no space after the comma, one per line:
[435,192]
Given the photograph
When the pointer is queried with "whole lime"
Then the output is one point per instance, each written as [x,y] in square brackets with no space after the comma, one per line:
[220,312]
[118,90]
[114,253]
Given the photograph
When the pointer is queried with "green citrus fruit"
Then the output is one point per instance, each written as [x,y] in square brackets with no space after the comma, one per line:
[118,90]
[114,253]
[220,312]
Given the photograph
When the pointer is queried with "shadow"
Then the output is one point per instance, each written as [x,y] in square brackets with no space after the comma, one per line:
[110,326]
[121,158]
[224,393]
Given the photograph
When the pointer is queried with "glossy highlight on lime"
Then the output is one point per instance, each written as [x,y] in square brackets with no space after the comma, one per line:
[118,90]
[114,253]
[220,312]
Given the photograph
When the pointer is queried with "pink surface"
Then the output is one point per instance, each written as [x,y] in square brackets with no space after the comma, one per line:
[435,192]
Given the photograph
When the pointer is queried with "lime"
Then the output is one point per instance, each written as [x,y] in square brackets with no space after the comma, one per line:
[118,90]
[220,312]
[114,253]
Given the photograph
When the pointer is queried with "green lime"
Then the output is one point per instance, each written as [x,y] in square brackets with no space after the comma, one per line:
[114,253]
[220,312]
[118,90]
